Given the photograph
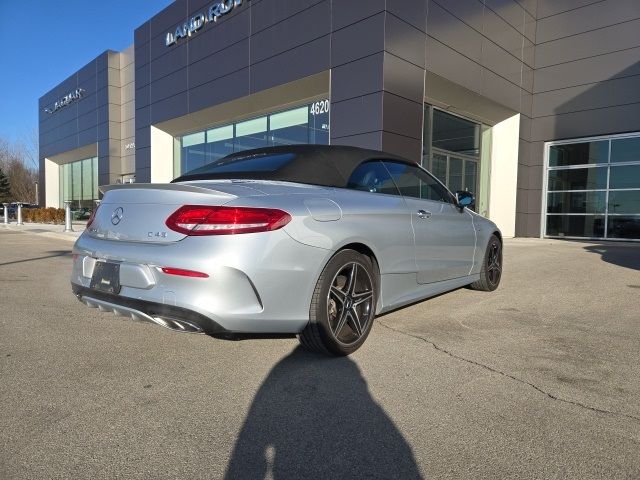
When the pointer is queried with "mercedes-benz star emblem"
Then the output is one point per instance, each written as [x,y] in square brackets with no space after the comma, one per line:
[117,215]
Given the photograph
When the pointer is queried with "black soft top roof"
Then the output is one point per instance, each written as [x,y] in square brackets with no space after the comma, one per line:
[326,165]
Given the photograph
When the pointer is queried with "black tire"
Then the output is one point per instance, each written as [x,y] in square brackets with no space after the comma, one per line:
[491,271]
[342,307]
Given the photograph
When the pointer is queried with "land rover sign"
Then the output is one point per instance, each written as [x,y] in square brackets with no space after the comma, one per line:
[199,20]
[76,94]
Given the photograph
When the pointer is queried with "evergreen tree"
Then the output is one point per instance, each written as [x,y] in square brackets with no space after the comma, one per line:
[5,188]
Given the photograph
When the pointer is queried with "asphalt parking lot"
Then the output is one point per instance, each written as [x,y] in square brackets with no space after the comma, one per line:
[540,379]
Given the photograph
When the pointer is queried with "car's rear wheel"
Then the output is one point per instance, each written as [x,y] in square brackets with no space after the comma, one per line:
[343,305]
[491,271]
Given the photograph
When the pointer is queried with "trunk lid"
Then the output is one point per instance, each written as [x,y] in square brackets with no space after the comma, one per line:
[137,212]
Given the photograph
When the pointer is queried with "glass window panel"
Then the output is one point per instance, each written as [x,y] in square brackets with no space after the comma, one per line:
[70,181]
[249,142]
[624,226]
[194,156]
[579,153]
[217,150]
[470,175]
[309,124]
[299,116]
[319,137]
[578,179]
[626,201]
[218,134]
[290,128]
[95,177]
[455,174]
[67,181]
[251,134]
[64,184]
[576,202]
[194,151]
[625,150]
[575,225]
[76,181]
[439,167]
[625,177]
[455,134]
[252,163]
[319,124]
[193,139]
[372,177]
[290,135]
[87,179]
[251,127]
[220,143]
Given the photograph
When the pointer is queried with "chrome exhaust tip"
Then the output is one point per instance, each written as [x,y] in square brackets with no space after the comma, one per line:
[171,323]
[177,325]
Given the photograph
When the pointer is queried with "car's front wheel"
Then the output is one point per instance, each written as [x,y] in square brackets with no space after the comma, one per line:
[343,305]
[491,271]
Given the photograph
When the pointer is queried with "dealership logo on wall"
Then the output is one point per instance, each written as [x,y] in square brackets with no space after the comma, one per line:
[70,97]
[195,23]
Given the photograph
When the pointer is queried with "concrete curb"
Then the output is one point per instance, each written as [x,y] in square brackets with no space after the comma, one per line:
[45,230]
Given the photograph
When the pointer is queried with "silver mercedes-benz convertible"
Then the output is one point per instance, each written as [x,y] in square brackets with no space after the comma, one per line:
[308,240]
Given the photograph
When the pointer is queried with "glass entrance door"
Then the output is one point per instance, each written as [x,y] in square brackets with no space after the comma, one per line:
[452,149]
[457,172]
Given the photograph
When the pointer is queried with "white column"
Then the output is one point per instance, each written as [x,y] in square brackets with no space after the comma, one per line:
[51,184]
[504,174]
[161,156]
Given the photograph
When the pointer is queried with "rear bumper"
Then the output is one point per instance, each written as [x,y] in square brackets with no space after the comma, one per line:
[174,318]
[257,283]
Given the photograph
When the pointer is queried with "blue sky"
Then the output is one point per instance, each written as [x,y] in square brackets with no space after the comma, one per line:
[42,42]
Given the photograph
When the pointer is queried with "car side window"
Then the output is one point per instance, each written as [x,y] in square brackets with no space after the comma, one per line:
[372,177]
[415,182]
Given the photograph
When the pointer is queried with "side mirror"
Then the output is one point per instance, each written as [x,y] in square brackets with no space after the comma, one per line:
[465,199]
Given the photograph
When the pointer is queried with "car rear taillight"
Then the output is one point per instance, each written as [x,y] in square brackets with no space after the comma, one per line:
[204,220]
[92,217]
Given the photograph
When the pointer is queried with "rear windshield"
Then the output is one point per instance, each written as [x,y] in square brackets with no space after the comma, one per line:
[248,164]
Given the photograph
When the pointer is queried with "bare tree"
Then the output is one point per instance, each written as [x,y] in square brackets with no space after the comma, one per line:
[5,188]
[15,161]
[29,147]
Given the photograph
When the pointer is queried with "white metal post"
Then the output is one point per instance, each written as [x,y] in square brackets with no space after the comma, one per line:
[68,227]
[19,213]
[6,213]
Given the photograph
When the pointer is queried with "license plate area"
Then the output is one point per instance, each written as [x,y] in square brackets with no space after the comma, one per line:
[106,277]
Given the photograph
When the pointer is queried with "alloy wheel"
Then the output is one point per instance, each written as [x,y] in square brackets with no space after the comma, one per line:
[494,263]
[350,303]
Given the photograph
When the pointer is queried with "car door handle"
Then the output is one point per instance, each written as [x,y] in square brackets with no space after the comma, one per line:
[424,214]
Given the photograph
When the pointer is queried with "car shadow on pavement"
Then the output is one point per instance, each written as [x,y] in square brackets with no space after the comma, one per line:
[624,255]
[313,417]
[53,253]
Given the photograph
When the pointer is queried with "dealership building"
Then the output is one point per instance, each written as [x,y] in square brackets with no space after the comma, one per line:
[534,105]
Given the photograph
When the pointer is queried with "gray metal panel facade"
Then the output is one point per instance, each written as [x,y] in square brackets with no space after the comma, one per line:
[93,119]
[76,124]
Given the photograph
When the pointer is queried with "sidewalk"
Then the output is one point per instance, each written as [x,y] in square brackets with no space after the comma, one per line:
[46,229]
